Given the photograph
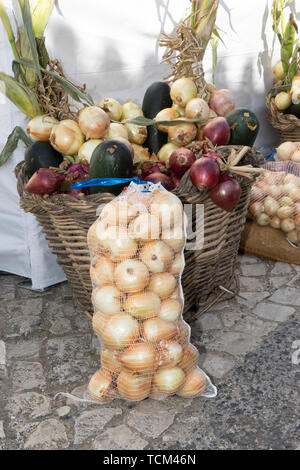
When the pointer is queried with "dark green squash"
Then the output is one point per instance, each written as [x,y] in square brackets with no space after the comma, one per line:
[111,159]
[244,127]
[157,97]
[41,155]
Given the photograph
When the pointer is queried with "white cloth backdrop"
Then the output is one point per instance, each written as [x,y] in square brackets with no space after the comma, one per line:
[111,45]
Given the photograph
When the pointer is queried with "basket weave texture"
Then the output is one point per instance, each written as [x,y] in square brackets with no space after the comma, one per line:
[287,125]
[209,273]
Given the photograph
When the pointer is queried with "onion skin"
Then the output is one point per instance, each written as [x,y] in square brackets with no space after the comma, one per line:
[222,102]
[226,194]
[157,256]
[101,387]
[217,131]
[194,385]
[44,181]
[171,309]
[112,107]
[182,134]
[182,91]
[205,173]
[181,160]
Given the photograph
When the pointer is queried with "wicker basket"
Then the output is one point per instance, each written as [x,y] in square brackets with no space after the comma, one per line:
[287,125]
[209,273]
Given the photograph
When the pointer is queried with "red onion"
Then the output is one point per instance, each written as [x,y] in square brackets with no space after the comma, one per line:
[175,179]
[227,193]
[217,131]
[205,173]
[77,167]
[181,160]
[152,167]
[222,102]
[161,178]
[211,154]
[44,181]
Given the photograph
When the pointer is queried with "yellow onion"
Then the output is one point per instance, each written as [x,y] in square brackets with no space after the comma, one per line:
[117,129]
[92,239]
[131,110]
[102,271]
[170,353]
[171,309]
[285,211]
[194,384]
[157,394]
[86,150]
[287,225]
[167,114]
[145,227]
[143,305]
[174,238]
[169,380]
[182,91]
[256,193]
[140,154]
[296,156]
[110,361]
[67,137]
[40,127]
[285,201]
[99,321]
[166,151]
[112,107]
[285,150]
[136,134]
[184,332]
[271,206]
[263,220]
[197,108]
[256,208]
[133,387]
[180,110]
[275,222]
[140,199]
[120,212]
[168,208]
[278,71]
[131,276]
[177,266]
[93,122]
[290,178]
[182,134]
[101,386]
[177,295]
[157,256]
[293,237]
[288,187]
[117,242]
[163,284]
[157,329]
[283,100]
[107,299]
[140,358]
[189,359]
[275,191]
[120,331]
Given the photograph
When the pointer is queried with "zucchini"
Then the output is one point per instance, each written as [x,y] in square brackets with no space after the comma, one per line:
[244,127]
[111,159]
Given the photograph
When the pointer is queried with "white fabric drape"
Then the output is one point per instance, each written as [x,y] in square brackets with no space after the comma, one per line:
[111,45]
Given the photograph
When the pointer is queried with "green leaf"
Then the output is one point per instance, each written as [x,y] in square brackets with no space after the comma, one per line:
[32,41]
[12,142]
[142,121]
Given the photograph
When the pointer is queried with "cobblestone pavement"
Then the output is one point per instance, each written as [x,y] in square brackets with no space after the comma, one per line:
[246,346]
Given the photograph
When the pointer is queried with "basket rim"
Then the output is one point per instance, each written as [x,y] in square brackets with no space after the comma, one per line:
[279,120]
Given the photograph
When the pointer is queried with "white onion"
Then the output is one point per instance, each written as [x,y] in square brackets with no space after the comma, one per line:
[112,107]
[140,357]
[293,237]
[283,100]
[162,284]
[145,227]
[166,151]
[157,329]
[285,211]
[157,256]
[174,238]
[197,108]
[170,353]
[168,208]
[171,309]
[117,242]
[131,110]
[143,305]
[189,359]
[184,332]
[296,156]
[275,222]
[285,201]
[101,387]
[177,266]
[182,91]
[256,209]
[120,212]
[67,137]
[169,380]
[136,134]
[120,331]
[110,361]
[275,191]
[86,150]
[40,127]
[167,114]
[287,225]
[131,276]
[92,239]
[182,134]
[263,220]
[285,150]
[102,271]
[180,110]
[194,384]
[93,122]
[271,206]
[107,299]
[116,130]
[133,387]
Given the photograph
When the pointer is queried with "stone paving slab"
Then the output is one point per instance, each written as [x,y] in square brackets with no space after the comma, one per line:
[246,344]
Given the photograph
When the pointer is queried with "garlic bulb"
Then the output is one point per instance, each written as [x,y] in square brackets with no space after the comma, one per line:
[143,305]
[140,358]
[182,91]
[86,150]
[157,256]
[131,276]
[162,284]
[194,384]
[157,329]
[167,114]
[107,299]
[169,380]
[93,122]
[101,387]
[112,107]
[133,387]
[40,127]
[102,271]
[120,331]
[67,137]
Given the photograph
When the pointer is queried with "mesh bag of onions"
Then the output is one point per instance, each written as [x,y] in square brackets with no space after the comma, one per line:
[275,199]
[137,258]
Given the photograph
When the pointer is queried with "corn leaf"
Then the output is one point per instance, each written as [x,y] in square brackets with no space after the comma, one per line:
[20,95]
[287,45]
[142,121]
[40,16]
[12,142]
